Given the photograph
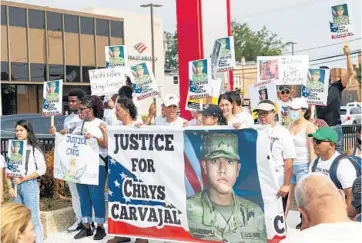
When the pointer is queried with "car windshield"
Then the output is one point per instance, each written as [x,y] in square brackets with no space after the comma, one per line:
[343,111]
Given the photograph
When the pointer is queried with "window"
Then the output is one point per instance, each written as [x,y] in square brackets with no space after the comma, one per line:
[71,23]
[175,79]
[37,72]
[56,72]
[86,74]
[19,71]
[36,19]
[3,15]
[72,74]
[87,25]
[355,110]
[17,16]
[102,27]
[54,21]
[8,98]
[343,111]
[4,71]
[116,29]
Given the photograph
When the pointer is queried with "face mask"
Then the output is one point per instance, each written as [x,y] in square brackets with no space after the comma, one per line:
[294,115]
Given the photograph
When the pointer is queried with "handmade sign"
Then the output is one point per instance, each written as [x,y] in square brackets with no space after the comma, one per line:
[108,80]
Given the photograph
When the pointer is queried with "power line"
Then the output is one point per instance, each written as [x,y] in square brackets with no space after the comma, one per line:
[336,60]
[339,55]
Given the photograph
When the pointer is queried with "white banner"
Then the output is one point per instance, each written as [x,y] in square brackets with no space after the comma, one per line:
[76,159]
[316,90]
[53,98]
[144,85]
[199,78]
[265,90]
[116,56]
[16,158]
[107,80]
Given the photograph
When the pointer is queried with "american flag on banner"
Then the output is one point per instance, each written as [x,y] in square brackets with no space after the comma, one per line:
[140,47]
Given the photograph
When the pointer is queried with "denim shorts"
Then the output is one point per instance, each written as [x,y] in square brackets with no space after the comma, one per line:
[299,170]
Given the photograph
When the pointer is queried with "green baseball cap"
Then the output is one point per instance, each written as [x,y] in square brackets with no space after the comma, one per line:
[52,84]
[315,71]
[139,67]
[339,7]
[221,145]
[199,64]
[325,133]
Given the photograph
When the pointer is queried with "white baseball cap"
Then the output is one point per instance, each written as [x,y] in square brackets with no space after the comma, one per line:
[299,103]
[262,106]
[170,99]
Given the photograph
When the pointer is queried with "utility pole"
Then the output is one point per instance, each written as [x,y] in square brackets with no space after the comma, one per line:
[292,43]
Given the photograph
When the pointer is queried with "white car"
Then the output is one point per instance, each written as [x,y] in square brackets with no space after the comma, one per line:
[354,104]
[351,115]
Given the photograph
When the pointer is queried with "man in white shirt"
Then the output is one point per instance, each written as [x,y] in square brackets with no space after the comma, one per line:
[284,94]
[243,116]
[324,213]
[171,103]
[281,146]
[342,174]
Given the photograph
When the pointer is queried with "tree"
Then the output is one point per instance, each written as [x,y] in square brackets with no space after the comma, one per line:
[250,44]
[171,51]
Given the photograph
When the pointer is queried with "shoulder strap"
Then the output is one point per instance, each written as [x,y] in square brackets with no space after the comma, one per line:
[334,167]
[315,163]
[27,161]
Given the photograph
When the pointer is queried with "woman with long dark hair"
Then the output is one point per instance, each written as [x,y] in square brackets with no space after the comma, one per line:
[92,196]
[27,186]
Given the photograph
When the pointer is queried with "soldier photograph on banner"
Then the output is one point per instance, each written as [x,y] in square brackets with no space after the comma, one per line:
[16,162]
[116,56]
[316,90]
[53,98]
[144,85]
[227,59]
[200,78]
[340,23]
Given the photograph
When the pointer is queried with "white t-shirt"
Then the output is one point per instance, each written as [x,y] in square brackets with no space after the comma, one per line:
[2,162]
[179,122]
[71,121]
[346,172]
[283,113]
[281,147]
[111,118]
[92,127]
[245,118]
[328,233]
[193,122]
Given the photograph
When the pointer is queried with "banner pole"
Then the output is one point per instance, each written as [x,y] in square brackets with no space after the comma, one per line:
[52,121]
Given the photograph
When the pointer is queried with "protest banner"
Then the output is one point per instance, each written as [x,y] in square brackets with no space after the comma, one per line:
[76,159]
[116,56]
[284,70]
[316,90]
[16,159]
[265,90]
[340,23]
[227,59]
[153,197]
[52,98]
[107,80]
[144,85]
[200,78]
[215,58]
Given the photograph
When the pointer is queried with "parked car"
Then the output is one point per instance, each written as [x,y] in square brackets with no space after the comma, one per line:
[354,104]
[40,124]
[351,115]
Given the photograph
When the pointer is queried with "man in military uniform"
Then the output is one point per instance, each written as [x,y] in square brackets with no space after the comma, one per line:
[224,50]
[52,95]
[217,214]
[15,155]
[340,18]
[116,59]
[140,75]
[314,83]
[199,74]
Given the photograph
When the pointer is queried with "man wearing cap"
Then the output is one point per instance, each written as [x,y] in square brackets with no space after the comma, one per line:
[315,82]
[344,172]
[340,18]
[15,153]
[198,74]
[116,59]
[284,93]
[51,94]
[140,75]
[217,213]
[171,105]
[212,116]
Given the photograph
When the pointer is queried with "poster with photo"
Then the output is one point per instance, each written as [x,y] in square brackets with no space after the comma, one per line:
[52,98]
[215,58]
[265,90]
[227,59]
[144,85]
[200,78]
[116,56]
[316,90]
[340,23]
[16,158]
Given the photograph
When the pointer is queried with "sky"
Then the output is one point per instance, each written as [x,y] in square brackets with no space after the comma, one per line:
[302,21]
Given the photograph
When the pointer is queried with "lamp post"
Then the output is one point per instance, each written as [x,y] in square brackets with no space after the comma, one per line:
[291,43]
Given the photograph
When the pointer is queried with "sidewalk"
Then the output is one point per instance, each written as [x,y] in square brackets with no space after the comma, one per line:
[292,221]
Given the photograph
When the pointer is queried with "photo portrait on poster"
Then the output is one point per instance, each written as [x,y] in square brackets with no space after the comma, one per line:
[265,90]
[199,78]
[268,69]
[144,84]
[340,23]
[316,90]
[52,98]
[116,56]
[227,59]
[16,159]
[215,58]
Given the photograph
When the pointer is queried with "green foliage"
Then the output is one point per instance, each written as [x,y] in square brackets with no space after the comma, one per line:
[171,52]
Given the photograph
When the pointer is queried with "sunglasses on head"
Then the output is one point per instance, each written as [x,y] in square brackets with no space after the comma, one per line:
[285,92]
[319,141]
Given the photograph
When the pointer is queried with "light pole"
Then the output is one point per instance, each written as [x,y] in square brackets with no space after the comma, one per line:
[292,43]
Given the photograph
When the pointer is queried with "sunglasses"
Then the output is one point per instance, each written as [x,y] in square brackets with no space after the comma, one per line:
[316,141]
[285,92]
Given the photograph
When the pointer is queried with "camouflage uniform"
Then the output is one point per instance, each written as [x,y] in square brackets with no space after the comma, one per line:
[224,50]
[52,96]
[344,20]
[246,222]
[142,79]
[199,77]
[16,156]
[116,61]
[315,84]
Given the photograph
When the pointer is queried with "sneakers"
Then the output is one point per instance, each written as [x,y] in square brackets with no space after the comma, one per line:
[76,226]
[85,232]
[119,239]
[100,233]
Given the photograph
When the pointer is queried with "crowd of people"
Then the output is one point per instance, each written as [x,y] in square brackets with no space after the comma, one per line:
[304,145]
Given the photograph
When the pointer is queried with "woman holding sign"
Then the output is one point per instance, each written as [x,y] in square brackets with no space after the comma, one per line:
[92,196]
[27,188]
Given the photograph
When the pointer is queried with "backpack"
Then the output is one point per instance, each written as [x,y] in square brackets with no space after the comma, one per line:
[356,162]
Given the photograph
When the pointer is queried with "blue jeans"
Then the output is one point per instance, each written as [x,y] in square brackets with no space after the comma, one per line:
[339,145]
[92,196]
[28,194]
[299,171]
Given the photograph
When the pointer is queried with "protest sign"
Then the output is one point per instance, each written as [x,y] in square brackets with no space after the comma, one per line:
[116,56]
[53,98]
[284,70]
[76,159]
[144,84]
[227,59]
[199,78]
[155,198]
[107,80]
[16,159]
[341,22]
[316,90]
[215,58]
[265,90]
